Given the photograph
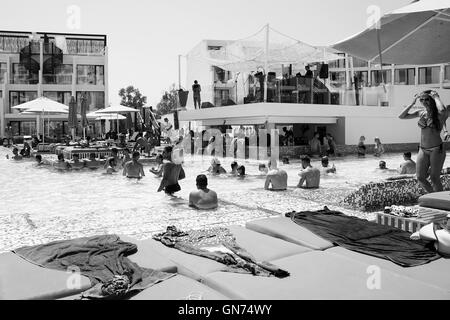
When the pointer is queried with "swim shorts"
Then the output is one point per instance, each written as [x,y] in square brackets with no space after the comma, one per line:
[172,188]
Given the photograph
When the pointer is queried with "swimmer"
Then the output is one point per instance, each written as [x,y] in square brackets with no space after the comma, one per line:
[234,166]
[382,167]
[76,164]
[111,165]
[133,169]
[203,198]
[378,148]
[92,163]
[158,170]
[115,156]
[216,168]
[241,172]
[276,179]
[309,176]
[17,156]
[263,169]
[172,173]
[39,161]
[409,166]
[325,166]
[61,164]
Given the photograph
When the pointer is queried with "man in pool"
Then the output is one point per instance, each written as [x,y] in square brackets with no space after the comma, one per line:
[309,176]
[383,167]
[92,163]
[203,198]
[39,161]
[234,166]
[76,164]
[158,170]
[133,169]
[61,164]
[16,154]
[409,166]
[276,179]
[172,173]
[326,166]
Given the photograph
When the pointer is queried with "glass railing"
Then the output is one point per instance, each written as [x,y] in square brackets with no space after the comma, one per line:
[24,79]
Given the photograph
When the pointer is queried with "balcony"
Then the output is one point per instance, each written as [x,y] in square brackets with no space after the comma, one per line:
[30,56]
[57,79]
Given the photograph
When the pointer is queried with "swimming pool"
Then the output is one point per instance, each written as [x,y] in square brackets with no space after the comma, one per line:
[40,205]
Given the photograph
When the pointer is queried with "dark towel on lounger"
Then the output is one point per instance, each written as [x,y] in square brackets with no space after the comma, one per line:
[366,237]
[100,258]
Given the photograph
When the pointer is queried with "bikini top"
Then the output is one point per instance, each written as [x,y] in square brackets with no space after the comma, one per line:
[425,121]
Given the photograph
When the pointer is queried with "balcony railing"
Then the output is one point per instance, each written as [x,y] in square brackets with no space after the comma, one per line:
[57,79]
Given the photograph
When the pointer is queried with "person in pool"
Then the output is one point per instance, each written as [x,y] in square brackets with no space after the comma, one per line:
[133,169]
[76,164]
[309,176]
[432,123]
[92,163]
[61,164]
[111,166]
[241,171]
[234,166]
[326,166]
[409,166]
[39,161]
[158,170]
[383,167]
[115,156]
[378,148]
[16,156]
[216,168]
[361,147]
[276,179]
[172,173]
[203,198]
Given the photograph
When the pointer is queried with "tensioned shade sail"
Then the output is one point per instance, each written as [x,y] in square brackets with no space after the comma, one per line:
[415,34]
[43,104]
[249,54]
[110,117]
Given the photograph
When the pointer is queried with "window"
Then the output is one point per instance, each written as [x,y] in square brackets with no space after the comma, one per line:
[13,44]
[84,46]
[22,76]
[363,78]
[337,64]
[405,76]
[62,75]
[447,73]
[221,97]
[337,79]
[27,128]
[428,75]
[59,96]
[379,77]
[221,75]
[19,97]
[90,74]
[214,47]
[3,67]
[95,100]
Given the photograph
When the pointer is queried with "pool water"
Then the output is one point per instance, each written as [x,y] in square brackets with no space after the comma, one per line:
[40,205]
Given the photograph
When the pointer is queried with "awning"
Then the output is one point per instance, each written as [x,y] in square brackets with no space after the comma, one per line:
[270,119]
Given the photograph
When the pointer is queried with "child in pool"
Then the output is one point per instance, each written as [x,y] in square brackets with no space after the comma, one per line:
[378,149]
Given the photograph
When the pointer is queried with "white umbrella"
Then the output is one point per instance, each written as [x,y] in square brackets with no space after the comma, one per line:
[42,105]
[416,34]
[110,117]
[116,110]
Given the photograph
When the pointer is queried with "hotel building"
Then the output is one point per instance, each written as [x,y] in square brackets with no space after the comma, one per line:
[53,65]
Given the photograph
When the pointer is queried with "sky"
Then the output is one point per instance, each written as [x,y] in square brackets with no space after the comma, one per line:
[145,37]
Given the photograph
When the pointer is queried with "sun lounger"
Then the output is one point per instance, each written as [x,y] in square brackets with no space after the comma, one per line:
[435,273]
[23,280]
[148,257]
[437,200]
[322,275]
[179,288]
[260,246]
[286,229]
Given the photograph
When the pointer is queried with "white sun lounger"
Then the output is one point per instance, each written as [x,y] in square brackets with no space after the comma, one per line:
[284,228]
[23,280]
[322,275]
[260,246]
[435,273]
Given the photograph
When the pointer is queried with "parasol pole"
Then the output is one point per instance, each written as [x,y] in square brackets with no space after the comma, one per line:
[378,27]
[266,62]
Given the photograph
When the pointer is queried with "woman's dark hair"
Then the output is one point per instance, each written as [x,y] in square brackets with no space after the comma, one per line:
[433,109]
[242,170]
[202,181]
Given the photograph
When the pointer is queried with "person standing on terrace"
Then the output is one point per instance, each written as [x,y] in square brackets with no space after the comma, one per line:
[196,89]
[432,122]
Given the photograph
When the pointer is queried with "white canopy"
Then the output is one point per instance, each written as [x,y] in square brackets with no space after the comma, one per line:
[251,53]
[415,34]
[44,105]
[111,116]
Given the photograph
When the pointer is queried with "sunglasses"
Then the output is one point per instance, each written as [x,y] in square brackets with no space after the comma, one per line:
[426,99]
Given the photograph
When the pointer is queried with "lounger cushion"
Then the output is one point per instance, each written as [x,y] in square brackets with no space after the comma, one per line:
[322,275]
[23,280]
[179,288]
[286,229]
[262,247]
[435,273]
[148,257]
[436,200]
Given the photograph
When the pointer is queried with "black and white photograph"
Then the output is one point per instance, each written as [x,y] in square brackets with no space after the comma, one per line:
[239,152]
